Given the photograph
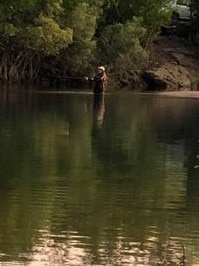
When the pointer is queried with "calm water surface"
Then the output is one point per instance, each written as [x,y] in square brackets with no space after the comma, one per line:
[114,184]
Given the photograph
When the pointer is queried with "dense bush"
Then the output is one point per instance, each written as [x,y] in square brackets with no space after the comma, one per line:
[121,48]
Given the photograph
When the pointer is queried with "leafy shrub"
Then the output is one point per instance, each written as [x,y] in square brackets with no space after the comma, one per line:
[120,46]
[46,36]
[83,21]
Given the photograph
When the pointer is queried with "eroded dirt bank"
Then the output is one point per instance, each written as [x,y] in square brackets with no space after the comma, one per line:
[174,65]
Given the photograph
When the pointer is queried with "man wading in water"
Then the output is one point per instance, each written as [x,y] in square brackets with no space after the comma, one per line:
[98,99]
[100,80]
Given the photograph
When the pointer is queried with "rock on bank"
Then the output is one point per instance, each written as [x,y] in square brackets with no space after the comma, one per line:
[173,66]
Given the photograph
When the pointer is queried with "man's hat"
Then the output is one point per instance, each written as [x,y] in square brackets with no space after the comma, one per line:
[101,68]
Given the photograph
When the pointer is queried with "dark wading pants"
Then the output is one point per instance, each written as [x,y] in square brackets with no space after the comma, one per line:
[99,87]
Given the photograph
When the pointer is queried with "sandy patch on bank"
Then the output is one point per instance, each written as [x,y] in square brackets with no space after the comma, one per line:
[179,94]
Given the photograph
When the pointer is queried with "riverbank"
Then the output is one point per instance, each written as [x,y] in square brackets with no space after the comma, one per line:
[179,94]
[173,65]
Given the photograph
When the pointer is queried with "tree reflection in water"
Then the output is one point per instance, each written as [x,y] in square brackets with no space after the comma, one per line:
[81,188]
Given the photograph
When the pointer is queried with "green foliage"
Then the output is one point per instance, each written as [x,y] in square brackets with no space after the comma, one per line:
[123,10]
[14,14]
[83,21]
[154,16]
[72,4]
[8,29]
[70,29]
[46,36]
[120,46]
[52,8]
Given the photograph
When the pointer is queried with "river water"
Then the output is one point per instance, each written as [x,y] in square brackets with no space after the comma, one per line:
[111,182]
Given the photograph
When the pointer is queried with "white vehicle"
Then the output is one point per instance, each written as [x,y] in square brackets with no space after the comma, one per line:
[181,12]
[182,17]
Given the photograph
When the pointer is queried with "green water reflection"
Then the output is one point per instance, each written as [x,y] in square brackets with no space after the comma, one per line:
[111,184]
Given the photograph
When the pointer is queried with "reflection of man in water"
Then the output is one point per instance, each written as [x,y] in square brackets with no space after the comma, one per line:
[99,108]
